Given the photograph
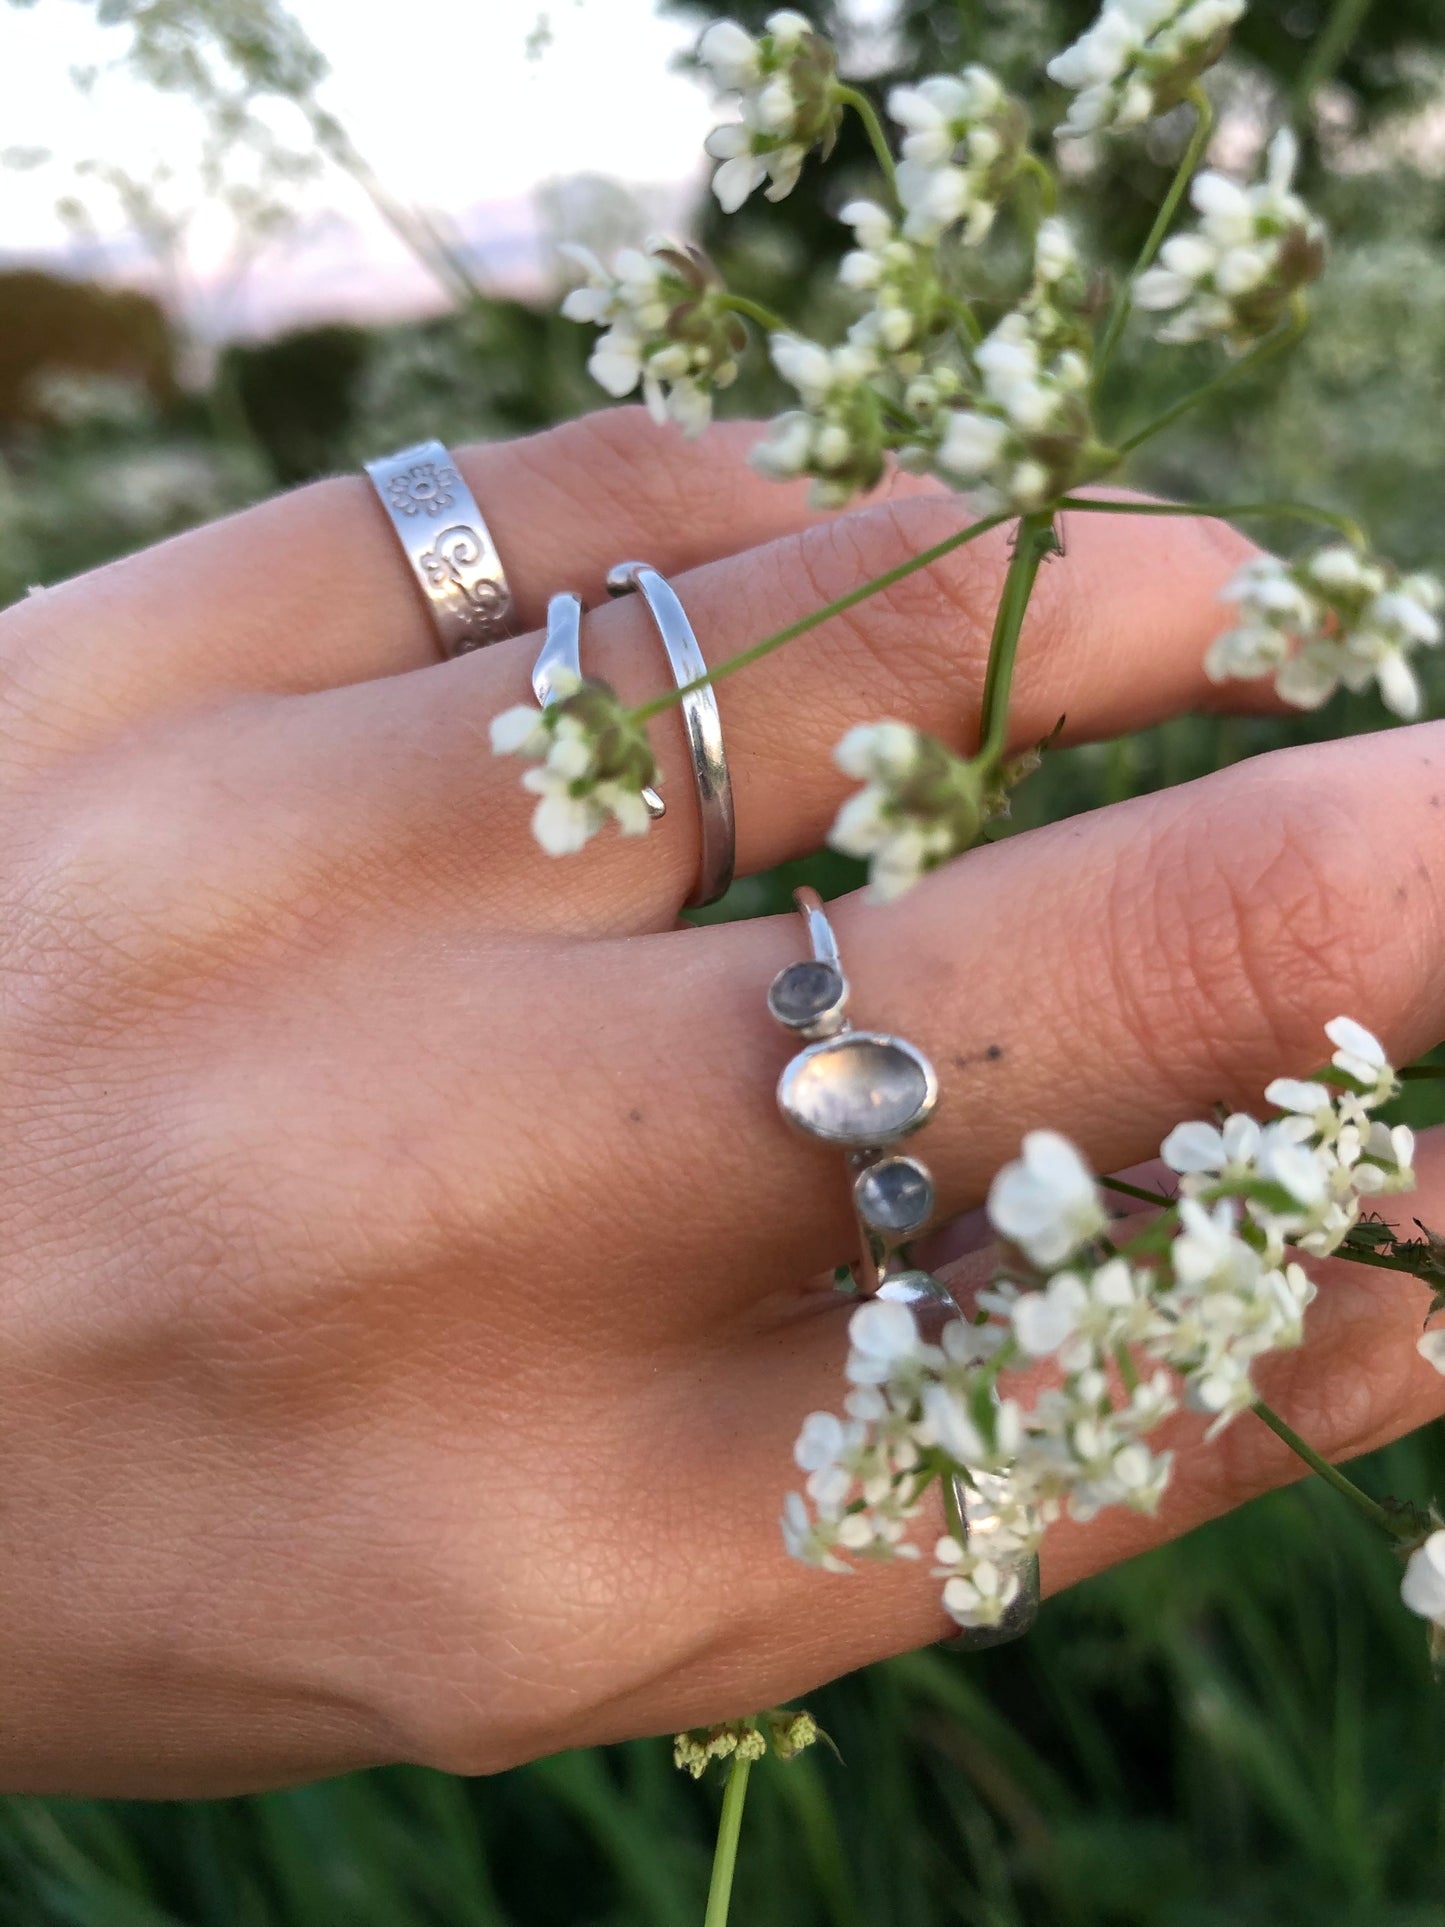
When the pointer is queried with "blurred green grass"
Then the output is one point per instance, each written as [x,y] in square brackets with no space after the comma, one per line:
[1239,1730]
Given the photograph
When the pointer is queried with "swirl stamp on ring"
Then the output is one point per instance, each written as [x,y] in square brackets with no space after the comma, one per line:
[456,565]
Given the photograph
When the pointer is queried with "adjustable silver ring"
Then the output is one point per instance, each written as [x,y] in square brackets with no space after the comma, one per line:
[865,1091]
[701,721]
[562,649]
[449,546]
[862,1090]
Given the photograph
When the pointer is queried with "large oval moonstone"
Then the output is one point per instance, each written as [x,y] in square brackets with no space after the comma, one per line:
[859,1089]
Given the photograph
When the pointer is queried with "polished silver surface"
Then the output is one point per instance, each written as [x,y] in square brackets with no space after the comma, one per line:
[862,1090]
[975,1497]
[448,545]
[562,650]
[701,722]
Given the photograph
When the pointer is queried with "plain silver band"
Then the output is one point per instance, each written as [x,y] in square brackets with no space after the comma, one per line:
[562,649]
[701,721]
[449,546]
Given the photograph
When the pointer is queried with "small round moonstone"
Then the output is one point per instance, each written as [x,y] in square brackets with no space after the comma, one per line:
[803,992]
[895,1196]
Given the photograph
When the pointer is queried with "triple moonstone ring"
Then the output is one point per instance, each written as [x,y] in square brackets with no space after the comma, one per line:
[865,1091]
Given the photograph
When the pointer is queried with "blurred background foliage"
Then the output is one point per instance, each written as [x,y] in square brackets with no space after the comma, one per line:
[1241,1728]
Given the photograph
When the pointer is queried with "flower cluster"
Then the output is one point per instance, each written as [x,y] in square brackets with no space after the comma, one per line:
[595,762]
[1335,617]
[788,84]
[667,328]
[902,277]
[1132,1324]
[1233,277]
[1023,430]
[784,1730]
[1139,58]
[919,805]
[965,139]
[838,436]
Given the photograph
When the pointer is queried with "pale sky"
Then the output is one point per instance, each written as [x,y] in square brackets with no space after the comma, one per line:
[441,97]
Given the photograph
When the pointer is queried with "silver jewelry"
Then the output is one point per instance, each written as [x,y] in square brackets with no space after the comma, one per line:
[449,546]
[865,1091]
[562,649]
[701,721]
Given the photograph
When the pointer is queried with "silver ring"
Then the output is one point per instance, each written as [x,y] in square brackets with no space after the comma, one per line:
[449,546]
[701,721]
[865,1091]
[562,649]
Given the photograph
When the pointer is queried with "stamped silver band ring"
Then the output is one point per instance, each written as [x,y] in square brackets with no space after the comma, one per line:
[865,1091]
[562,649]
[449,546]
[701,721]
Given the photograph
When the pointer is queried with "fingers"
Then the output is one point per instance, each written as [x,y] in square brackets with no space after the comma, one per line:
[1105,977]
[311,588]
[1116,639]
[1356,1383]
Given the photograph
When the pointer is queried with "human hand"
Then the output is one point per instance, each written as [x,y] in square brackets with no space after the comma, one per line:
[410,1291]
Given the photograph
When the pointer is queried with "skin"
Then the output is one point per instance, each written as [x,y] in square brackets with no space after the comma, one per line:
[410,1292]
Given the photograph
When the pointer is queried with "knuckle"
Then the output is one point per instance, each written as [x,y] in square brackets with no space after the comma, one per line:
[1236,935]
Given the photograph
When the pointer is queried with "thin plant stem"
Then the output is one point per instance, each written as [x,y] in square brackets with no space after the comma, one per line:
[1226,511]
[725,1855]
[1169,207]
[873,128]
[1128,1190]
[952,1512]
[1034,534]
[923,560]
[1283,337]
[1329,47]
[1331,1474]
[754,311]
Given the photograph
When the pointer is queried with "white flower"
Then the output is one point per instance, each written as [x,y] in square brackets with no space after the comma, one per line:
[1199,1148]
[1361,1055]
[964,138]
[1431,1347]
[1047,1202]
[837,436]
[1334,618]
[982,1597]
[882,1335]
[667,329]
[1233,276]
[787,83]
[594,763]
[1044,1320]
[1423,1587]
[1139,58]
[920,805]
[1019,432]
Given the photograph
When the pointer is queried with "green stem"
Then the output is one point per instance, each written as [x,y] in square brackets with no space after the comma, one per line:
[873,127]
[1043,179]
[1035,534]
[769,322]
[952,1512]
[1184,174]
[1358,1255]
[924,559]
[725,1855]
[1331,1474]
[1225,511]
[1329,48]
[1136,1191]
[1283,337]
